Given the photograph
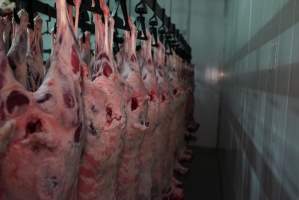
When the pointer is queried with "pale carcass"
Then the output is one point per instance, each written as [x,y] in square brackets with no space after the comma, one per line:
[105,119]
[42,159]
[137,123]
[147,150]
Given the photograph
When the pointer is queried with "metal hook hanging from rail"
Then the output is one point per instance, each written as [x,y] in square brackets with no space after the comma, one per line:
[167,27]
[153,22]
[141,10]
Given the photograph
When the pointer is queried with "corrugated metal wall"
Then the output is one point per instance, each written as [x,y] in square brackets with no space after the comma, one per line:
[259,115]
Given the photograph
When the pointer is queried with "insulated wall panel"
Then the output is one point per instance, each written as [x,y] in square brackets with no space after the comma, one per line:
[258,128]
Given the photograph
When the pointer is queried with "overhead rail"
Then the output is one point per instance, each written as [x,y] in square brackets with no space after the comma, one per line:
[182,48]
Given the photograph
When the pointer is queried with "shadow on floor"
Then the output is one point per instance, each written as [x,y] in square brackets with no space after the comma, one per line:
[203,180]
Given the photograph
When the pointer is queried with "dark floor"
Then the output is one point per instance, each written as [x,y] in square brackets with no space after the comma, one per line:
[203,180]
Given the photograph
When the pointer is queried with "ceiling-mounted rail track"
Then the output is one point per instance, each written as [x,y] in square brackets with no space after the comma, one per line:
[184,49]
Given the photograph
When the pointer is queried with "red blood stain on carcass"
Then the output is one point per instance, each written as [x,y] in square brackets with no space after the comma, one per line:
[109,115]
[15,98]
[134,103]
[149,61]
[133,58]
[107,71]
[90,159]
[103,55]
[86,172]
[68,100]
[85,188]
[75,61]
[152,95]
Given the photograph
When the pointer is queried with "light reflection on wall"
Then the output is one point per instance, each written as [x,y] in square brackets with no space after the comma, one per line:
[213,75]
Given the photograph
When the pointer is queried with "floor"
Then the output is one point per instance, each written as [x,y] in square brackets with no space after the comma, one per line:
[203,180]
